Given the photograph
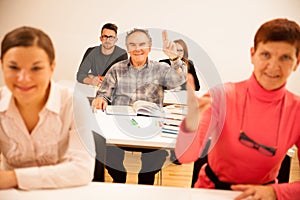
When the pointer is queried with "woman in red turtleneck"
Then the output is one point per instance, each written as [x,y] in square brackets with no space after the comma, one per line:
[252,123]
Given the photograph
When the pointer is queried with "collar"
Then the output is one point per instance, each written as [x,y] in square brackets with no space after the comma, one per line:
[259,92]
[5,99]
[129,64]
[54,100]
[100,46]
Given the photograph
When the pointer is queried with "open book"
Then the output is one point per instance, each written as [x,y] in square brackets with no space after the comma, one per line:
[140,107]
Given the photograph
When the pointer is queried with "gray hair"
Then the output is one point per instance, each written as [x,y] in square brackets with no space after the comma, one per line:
[145,31]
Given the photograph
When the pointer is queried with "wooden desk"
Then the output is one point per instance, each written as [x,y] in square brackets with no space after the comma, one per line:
[116,191]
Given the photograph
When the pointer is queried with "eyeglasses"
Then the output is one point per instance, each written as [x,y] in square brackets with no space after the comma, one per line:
[245,140]
[109,37]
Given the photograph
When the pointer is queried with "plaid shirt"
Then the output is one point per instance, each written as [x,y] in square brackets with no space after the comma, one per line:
[125,84]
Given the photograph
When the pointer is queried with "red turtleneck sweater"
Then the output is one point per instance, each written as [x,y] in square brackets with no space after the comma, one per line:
[270,118]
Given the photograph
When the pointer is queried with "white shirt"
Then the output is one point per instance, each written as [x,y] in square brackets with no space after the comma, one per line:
[53,154]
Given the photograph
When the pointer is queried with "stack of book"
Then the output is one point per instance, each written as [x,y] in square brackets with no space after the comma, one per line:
[170,128]
[174,114]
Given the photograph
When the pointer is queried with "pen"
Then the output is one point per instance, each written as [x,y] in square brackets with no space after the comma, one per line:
[133,122]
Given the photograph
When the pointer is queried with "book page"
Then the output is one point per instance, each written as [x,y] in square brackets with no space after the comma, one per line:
[146,108]
[120,110]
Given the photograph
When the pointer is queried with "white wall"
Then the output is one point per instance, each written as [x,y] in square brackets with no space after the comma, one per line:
[224,29]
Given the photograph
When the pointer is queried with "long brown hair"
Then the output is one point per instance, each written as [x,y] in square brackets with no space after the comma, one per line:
[185,57]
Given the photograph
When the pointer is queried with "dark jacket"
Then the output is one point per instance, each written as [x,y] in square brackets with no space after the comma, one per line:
[191,70]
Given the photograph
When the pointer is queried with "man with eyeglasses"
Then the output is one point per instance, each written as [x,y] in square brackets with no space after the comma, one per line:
[139,78]
[252,123]
[97,60]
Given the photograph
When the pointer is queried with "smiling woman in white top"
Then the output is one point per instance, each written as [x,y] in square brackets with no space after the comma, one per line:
[39,143]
